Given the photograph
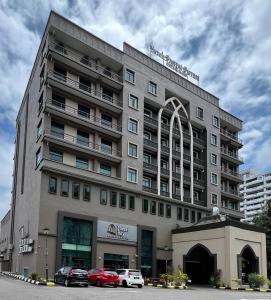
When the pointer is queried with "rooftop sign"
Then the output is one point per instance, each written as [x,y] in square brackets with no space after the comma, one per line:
[182,70]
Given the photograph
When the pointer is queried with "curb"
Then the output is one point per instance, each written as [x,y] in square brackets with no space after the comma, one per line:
[167,287]
[251,290]
[26,279]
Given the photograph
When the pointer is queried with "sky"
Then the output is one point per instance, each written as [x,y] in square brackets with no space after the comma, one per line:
[228,43]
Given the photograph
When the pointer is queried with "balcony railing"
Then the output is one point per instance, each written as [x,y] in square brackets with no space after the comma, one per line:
[231,172]
[149,189]
[84,59]
[150,166]
[82,87]
[230,135]
[199,181]
[230,191]
[83,142]
[150,143]
[83,115]
[200,203]
[231,154]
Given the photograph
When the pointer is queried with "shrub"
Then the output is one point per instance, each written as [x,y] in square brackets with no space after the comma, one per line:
[256,280]
[181,277]
[34,276]
[269,284]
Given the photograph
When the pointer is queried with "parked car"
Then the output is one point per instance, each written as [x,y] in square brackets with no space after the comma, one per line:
[103,276]
[72,276]
[130,277]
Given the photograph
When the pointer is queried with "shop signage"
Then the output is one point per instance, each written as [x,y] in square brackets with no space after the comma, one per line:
[26,246]
[115,231]
[182,70]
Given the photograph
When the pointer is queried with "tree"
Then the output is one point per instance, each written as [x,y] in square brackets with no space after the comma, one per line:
[264,220]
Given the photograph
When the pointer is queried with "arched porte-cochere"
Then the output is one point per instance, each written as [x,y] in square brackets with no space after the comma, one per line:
[247,263]
[200,264]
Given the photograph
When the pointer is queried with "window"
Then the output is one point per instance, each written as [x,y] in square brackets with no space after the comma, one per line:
[193,216]
[147,135]
[213,139]
[198,216]
[196,195]
[196,174]
[64,187]
[164,164]
[133,101]
[179,213]
[81,163]
[164,120]
[106,146]
[147,113]
[196,154]
[57,130]
[56,155]
[161,209]
[83,111]
[40,102]
[216,121]
[214,199]
[86,192]
[103,197]
[147,158]
[113,199]
[106,120]
[132,150]
[200,113]
[42,76]
[76,190]
[146,182]
[58,101]
[60,73]
[164,142]
[145,206]
[164,186]
[38,157]
[52,185]
[82,138]
[168,211]
[105,170]
[39,129]
[214,179]
[213,159]
[153,208]
[107,95]
[84,84]
[152,88]
[130,76]
[132,175]
[133,125]
[131,202]
[123,201]
[186,215]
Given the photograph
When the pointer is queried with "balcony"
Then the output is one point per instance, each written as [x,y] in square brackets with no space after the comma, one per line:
[89,120]
[230,193]
[151,143]
[67,140]
[85,64]
[150,167]
[228,136]
[231,156]
[84,91]
[230,174]
[149,189]
[199,182]
[200,203]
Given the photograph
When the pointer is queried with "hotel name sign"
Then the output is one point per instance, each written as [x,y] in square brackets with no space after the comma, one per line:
[182,70]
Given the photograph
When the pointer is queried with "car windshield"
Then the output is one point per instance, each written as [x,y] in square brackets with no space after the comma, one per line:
[79,271]
[135,272]
[111,272]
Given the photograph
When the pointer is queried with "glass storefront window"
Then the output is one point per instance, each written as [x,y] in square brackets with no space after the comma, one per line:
[146,253]
[116,261]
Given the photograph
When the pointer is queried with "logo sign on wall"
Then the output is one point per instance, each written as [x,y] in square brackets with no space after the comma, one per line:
[115,231]
[26,246]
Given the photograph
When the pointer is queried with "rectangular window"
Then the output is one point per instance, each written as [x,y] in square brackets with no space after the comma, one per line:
[106,120]
[213,139]
[214,199]
[196,154]
[103,197]
[38,157]
[214,179]
[107,95]
[82,163]
[213,159]
[186,215]
[147,112]
[146,182]
[83,111]
[84,84]
[60,73]
[58,101]
[160,209]
[105,170]
[196,195]
[153,207]
[193,216]
[75,190]
[147,135]
[216,121]
[57,130]
[64,187]
[179,213]
[40,102]
[200,113]
[39,129]
[132,175]
[106,146]
[113,199]
[147,158]
[133,101]
[164,164]
[56,155]
[86,192]
[152,88]
[168,211]
[132,150]
[123,201]
[42,76]
[133,125]
[131,202]
[145,206]
[130,76]
[82,138]
[52,185]
[198,216]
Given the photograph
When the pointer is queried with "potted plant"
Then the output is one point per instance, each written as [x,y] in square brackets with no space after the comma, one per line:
[256,280]
[181,278]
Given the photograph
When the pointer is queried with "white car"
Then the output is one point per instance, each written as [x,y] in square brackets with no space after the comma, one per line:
[130,277]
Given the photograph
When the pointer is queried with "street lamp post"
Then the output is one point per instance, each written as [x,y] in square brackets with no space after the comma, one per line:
[46,232]
[166,249]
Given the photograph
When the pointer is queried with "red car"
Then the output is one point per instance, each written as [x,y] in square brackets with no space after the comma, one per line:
[103,276]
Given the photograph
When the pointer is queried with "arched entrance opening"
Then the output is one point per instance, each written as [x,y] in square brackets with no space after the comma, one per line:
[248,263]
[200,264]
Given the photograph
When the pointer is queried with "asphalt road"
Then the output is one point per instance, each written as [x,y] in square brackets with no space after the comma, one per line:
[13,289]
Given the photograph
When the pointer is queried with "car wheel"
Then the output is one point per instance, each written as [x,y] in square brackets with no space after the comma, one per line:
[140,286]
[115,286]
[98,283]
[66,282]
[86,285]
[124,283]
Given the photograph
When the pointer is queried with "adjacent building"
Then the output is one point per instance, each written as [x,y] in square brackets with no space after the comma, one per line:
[5,250]
[255,191]
[113,152]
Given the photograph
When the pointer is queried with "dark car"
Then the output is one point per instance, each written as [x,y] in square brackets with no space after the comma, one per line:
[72,276]
[103,276]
